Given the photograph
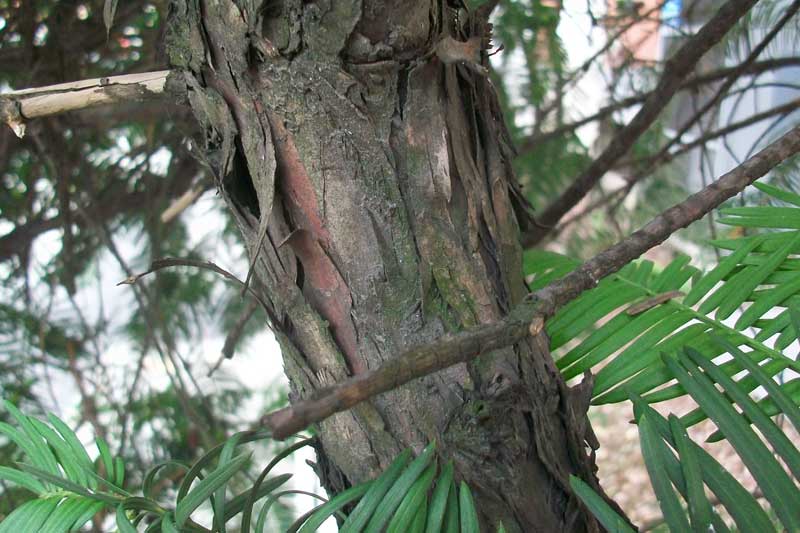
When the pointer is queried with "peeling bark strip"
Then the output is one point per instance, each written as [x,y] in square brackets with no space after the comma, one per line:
[369,171]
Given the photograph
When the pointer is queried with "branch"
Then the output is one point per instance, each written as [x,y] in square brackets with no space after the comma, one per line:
[693,83]
[182,203]
[727,84]
[529,316]
[675,70]
[168,262]
[611,41]
[654,161]
[659,159]
[17,107]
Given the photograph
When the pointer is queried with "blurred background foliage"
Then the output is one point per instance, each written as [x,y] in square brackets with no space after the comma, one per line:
[82,199]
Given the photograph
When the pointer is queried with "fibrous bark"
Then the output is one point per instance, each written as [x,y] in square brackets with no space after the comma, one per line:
[360,148]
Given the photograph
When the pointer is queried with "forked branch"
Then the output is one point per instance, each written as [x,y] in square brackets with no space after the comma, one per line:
[675,71]
[692,84]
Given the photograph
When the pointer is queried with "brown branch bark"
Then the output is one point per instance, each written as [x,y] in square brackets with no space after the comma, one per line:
[461,347]
[675,70]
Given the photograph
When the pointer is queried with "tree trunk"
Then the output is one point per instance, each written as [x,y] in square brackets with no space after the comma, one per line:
[361,149]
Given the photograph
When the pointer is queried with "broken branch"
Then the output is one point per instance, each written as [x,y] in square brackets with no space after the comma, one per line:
[17,107]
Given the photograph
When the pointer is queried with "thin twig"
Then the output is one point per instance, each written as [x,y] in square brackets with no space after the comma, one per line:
[182,203]
[166,354]
[572,77]
[167,262]
[726,85]
[232,339]
[619,195]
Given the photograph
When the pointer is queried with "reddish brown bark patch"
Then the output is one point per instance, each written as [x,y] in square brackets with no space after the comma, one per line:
[295,183]
[327,292]
[323,285]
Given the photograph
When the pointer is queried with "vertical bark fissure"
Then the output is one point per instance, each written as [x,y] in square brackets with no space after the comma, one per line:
[380,180]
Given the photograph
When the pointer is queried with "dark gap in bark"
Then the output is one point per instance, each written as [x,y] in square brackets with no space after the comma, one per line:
[389,259]
[301,275]
[488,251]
[281,26]
[397,146]
[239,185]
[402,89]
[458,207]
[331,478]
[442,310]
[434,18]
[271,9]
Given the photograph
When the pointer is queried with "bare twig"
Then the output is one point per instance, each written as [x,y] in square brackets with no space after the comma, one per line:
[167,262]
[182,203]
[783,109]
[164,349]
[675,70]
[726,85]
[653,162]
[618,195]
[456,348]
